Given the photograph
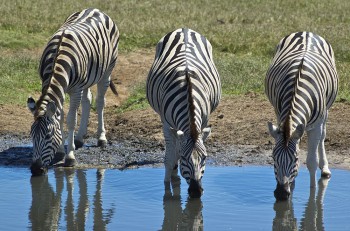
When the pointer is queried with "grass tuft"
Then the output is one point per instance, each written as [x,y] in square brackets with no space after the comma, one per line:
[136,101]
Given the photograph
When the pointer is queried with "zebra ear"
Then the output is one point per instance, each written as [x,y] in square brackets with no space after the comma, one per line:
[273,130]
[298,133]
[206,133]
[31,105]
[50,109]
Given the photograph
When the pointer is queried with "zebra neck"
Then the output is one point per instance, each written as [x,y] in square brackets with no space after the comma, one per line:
[194,131]
[50,94]
[295,116]
[290,123]
[56,93]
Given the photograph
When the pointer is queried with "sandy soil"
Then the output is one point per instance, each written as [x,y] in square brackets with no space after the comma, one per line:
[239,130]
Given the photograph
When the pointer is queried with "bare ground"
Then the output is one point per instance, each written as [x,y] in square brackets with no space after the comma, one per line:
[239,129]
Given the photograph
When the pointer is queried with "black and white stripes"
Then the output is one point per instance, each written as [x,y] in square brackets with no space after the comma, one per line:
[183,87]
[83,52]
[301,84]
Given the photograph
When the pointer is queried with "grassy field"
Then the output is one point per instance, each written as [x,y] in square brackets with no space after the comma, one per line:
[243,33]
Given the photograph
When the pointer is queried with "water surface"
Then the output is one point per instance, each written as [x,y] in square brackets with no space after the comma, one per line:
[235,198]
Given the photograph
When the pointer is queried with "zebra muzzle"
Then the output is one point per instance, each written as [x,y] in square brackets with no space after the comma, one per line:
[37,169]
[195,189]
[282,192]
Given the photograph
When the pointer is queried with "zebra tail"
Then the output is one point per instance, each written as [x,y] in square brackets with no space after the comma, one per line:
[113,88]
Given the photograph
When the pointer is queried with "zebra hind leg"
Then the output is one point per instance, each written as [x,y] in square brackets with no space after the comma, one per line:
[323,162]
[100,103]
[84,120]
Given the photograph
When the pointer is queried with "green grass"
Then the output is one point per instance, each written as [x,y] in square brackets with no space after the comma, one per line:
[137,100]
[17,80]
[243,33]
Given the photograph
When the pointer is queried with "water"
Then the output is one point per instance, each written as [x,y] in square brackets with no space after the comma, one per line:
[235,198]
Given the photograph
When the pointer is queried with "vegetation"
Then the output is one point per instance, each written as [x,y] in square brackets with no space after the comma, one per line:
[243,33]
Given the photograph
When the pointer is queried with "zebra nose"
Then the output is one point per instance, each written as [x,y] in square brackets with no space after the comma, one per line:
[37,169]
[282,192]
[195,190]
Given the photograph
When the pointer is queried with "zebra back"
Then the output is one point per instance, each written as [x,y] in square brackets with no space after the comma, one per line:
[183,85]
[78,55]
[301,82]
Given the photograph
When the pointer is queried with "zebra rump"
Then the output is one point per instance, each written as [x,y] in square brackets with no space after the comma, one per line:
[301,84]
[183,87]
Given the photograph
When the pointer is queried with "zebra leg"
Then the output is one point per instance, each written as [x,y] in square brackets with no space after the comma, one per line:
[85,114]
[314,137]
[75,99]
[323,162]
[60,153]
[100,103]
[171,158]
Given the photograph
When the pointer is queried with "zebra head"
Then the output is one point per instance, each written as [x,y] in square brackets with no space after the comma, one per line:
[46,135]
[192,160]
[286,158]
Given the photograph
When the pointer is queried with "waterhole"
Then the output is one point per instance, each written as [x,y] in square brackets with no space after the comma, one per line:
[235,198]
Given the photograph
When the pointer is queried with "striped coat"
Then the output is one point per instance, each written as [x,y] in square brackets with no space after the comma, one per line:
[301,84]
[183,87]
[81,53]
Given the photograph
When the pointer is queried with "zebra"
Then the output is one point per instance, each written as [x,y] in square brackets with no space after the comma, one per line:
[301,84]
[184,88]
[81,53]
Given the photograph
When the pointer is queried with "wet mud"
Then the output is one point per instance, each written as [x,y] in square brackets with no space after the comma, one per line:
[17,151]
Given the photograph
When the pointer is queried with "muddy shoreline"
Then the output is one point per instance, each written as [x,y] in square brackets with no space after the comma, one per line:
[16,151]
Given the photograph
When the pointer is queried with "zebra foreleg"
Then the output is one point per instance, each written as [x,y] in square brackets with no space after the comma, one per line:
[314,138]
[85,114]
[75,100]
[60,153]
[100,103]
[323,162]
[171,158]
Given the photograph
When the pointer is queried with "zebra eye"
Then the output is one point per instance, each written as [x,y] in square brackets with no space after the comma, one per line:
[202,162]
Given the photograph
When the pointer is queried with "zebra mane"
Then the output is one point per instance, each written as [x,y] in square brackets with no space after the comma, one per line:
[44,98]
[191,108]
[40,106]
[288,123]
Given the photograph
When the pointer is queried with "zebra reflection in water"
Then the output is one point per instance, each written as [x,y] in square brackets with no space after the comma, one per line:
[47,205]
[312,218]
[191,218]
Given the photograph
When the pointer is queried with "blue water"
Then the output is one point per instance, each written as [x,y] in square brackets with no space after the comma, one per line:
[235,198]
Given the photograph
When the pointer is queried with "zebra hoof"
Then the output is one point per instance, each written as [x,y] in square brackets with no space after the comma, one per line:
[70,162]
[58,158]
[326,175]
[102,143]
[78,144]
